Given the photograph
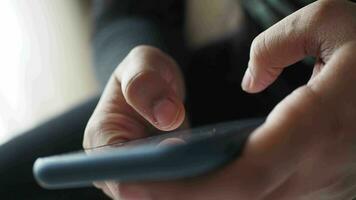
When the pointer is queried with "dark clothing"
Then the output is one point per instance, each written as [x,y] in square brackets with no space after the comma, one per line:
[59,135]
[213,75]
[122,26]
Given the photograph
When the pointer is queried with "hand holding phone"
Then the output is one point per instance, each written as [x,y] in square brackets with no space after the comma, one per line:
[202,150]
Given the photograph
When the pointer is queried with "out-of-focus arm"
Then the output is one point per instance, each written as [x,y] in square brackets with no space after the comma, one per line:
[121,25]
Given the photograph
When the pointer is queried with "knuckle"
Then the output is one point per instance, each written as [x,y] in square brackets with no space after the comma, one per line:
[139,50]
[331,15]
[293,28]
[147,64]
[147,58]
[257,48]
[325,9]
[140,57]
[260,51]
[145,52]
[144,55]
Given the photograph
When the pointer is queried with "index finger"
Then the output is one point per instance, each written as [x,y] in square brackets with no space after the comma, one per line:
[307,32]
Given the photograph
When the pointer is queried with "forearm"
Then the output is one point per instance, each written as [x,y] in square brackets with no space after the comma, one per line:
[122,25]
[115,33]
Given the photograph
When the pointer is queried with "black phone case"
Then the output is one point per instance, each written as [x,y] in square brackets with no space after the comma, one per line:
[205,149]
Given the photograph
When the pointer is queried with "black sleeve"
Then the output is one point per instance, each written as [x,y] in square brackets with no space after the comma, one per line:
[121,25]
[58,135]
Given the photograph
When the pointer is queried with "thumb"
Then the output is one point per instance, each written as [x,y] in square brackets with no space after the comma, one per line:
[145,89]
[307,32]
[152,85]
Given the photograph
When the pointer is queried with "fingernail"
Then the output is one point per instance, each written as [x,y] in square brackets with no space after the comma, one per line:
[246,81]
[165,112]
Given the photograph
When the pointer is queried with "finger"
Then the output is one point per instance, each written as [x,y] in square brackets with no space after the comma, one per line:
[152,85]
[317,105]
[335,84]
[297,126]
[299,35]
[309,122]
[136,96]
[111,186]
[271,156]
[108,192]
[103,186]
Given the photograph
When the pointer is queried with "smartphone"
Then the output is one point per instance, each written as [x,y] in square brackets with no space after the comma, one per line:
[197,152]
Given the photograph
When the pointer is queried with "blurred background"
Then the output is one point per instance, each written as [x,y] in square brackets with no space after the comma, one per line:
[45,65]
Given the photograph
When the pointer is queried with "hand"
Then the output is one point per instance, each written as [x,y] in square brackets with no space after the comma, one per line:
[306,148]
[145,91]
[307,145]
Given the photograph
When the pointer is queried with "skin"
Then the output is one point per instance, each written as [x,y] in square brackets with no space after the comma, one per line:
[305,150]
